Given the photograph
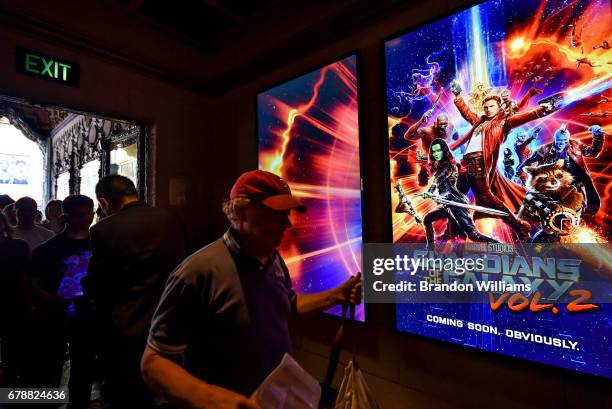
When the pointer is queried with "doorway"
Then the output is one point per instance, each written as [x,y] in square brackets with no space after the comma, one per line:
[49,152]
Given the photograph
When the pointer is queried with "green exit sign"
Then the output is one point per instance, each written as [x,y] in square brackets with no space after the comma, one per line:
[47,67]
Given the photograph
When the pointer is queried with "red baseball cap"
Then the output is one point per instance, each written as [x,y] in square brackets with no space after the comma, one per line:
[267,188]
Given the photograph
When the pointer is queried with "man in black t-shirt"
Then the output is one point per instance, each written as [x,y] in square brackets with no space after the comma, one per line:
[63,314]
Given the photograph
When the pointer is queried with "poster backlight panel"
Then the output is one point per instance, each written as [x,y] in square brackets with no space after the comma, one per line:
[548,65]
[308,133]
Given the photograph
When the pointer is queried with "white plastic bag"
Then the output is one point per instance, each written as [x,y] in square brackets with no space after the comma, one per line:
[354,392]
[289,386]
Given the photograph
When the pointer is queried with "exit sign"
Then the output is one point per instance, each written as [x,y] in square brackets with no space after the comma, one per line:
[47,67]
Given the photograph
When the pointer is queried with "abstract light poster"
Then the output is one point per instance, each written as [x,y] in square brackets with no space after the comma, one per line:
[308,133]
[519,93]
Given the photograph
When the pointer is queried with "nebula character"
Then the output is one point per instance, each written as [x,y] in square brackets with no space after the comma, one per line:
[521,146]
[522,150]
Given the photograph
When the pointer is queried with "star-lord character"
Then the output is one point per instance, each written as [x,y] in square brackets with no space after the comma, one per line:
[484,139]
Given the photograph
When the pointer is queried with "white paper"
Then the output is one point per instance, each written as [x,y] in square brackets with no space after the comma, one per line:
[289,386]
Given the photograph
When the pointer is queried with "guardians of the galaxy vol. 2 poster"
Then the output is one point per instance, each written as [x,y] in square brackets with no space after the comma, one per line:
[499,128]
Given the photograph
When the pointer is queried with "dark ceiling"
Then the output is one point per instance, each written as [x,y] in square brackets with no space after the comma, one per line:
[199,21]
[238,40]
[267,33]
[207,46]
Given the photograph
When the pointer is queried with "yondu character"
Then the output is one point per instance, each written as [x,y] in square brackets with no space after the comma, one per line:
[572,152]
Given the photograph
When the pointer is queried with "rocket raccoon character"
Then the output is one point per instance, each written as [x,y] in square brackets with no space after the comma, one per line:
[572,152]
[552,202]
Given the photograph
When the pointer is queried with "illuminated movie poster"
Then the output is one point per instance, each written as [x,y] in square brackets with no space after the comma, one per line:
[514,97]
[14,169]
[308,133]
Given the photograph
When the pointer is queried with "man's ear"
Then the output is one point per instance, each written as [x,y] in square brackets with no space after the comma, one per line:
[241,212]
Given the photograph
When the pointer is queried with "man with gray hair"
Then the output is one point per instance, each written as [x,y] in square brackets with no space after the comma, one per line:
[224,310]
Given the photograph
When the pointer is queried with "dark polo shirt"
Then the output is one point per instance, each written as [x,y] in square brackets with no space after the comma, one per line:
[226,314]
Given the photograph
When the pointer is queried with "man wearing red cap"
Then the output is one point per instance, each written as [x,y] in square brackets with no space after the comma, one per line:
[224,310]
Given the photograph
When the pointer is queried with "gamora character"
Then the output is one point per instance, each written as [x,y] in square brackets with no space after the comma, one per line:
[445,172]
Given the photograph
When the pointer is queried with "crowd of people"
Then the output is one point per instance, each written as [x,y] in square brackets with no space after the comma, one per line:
[122,304]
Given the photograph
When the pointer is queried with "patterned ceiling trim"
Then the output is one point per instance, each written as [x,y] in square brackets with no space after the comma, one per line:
[17,121]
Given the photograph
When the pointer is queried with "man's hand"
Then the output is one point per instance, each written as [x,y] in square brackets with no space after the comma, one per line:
[183,390]
[350,291]
[220,398]
[225,399]
[455,87]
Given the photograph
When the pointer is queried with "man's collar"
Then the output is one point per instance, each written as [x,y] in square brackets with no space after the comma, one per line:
[135,203]
[230,241]
[229,238]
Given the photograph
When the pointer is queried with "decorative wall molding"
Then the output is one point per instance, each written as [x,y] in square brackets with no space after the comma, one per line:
[15,119]
[85,139]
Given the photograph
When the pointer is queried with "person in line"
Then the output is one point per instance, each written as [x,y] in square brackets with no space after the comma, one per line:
[58,265]
[134,250]
[5,200]
[11,214]
[26,229]
[53,216]
[15,304]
